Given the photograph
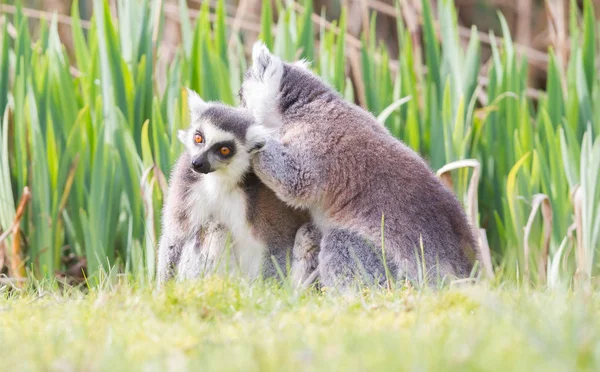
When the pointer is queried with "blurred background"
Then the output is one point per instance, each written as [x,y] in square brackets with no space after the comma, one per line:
[534,24]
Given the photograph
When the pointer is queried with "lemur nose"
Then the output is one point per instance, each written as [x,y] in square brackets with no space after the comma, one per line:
[200,166]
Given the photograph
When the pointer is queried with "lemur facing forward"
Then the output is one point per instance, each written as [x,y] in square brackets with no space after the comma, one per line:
[213,193]
[334,159]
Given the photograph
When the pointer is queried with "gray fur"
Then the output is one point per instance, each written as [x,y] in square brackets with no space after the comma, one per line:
[306,255]
[229,119]
[189,249]
[347,258]
[334,159]
[176,229]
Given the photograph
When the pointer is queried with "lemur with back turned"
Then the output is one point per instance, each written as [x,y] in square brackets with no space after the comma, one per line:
[333,159]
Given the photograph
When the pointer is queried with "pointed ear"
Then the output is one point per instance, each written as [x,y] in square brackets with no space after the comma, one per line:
[264,64]
[181,136]
[262,85]
[196,105]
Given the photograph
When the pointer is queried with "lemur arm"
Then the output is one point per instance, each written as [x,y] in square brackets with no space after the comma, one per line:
[202,253]
[169,252]
[217,246]
[288,173]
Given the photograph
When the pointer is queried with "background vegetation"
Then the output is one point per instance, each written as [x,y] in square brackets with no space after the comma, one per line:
[87,135]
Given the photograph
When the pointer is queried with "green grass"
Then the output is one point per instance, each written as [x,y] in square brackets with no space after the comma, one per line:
[230,325]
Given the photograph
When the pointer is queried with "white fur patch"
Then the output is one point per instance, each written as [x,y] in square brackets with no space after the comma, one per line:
[231,208]
[261,90]
[215,201]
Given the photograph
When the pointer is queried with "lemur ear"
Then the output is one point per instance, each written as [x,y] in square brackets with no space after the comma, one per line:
[196,105]
[262,86]
[264,64]
[181,136]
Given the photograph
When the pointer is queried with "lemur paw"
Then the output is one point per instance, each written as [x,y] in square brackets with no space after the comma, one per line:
[257,137]
[260,151]
[258,147]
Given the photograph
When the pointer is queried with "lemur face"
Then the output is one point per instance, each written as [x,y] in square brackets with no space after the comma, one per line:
[220,138]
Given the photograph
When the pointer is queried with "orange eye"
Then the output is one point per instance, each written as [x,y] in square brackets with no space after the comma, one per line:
[225,150]
[198,138]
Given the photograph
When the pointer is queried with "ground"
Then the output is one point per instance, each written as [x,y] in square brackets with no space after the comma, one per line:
[226,324]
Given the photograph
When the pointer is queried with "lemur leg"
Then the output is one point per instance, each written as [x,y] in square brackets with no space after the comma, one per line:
[169,255]
[286,173]
[348,261]
[305,256]
[207,254]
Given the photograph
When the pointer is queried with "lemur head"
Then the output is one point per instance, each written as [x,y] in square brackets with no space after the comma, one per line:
[220,138]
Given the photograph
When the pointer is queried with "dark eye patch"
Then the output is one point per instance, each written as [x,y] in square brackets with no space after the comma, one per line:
[217,147]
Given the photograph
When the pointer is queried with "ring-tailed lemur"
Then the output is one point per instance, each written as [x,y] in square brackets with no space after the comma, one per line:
[334,159]
[213,192]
